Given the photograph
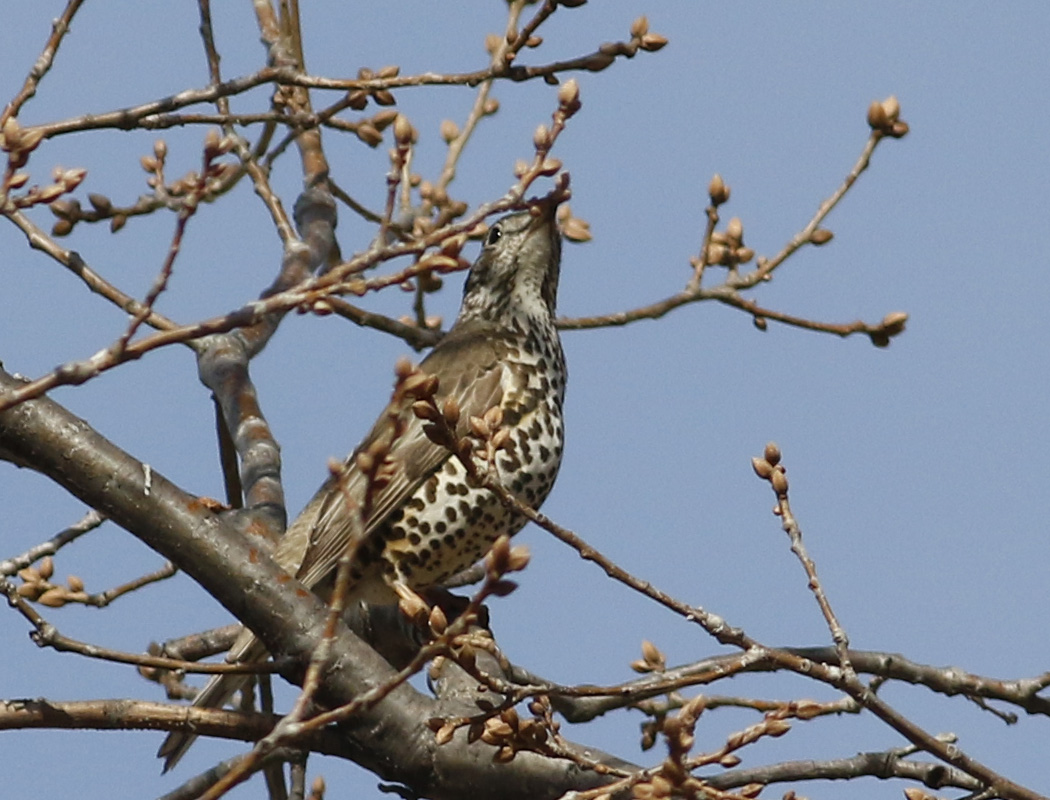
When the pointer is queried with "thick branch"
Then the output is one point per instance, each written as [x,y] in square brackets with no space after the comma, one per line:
[391,739]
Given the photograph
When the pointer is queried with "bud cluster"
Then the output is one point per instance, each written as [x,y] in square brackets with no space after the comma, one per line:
[884,118]
[38,587]
[63,181]
[357,99]
[18,142]
[572,227]
[892,325]
[652,660]
[726,248]
[370,131]
[768,468]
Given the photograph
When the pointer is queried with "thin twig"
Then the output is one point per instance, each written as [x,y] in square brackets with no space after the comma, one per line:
[804,236]
[88,522]
[46,635]
[59,28]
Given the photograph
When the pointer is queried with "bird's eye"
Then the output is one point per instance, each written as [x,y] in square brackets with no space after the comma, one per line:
[494,234]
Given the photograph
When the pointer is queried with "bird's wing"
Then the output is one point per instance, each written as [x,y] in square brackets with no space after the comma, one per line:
[471,359]
[470,367]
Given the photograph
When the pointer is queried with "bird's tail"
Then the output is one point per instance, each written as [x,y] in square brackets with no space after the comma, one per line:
[216,693]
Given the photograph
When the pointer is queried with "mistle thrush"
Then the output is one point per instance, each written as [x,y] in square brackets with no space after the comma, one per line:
[429,523]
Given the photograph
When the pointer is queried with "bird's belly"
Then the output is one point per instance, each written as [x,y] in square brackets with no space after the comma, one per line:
[448,525]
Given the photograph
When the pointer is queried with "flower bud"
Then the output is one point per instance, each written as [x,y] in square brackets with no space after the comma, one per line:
[877,116]
[402,131]
[718,190]
[541,138]
[772,453]
[735,230]
[569,97]
[449,130]
[892,108]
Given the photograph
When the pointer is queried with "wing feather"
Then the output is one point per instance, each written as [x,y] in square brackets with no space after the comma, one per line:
[470,359]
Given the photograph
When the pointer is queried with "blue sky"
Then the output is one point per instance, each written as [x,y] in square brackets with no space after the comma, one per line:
[918,472]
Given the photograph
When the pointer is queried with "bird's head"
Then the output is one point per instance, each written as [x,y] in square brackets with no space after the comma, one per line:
[517,271]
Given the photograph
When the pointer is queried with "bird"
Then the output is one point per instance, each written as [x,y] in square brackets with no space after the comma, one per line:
[428,522]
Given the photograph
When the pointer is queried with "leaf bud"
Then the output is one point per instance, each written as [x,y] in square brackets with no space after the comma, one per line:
[369,134]
[62,227]
[821,236]
[101,203]
[893,323]
[779,481]
[652,42]
[762,468]
[53,598]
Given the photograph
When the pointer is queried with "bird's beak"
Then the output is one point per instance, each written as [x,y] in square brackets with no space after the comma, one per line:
[544,213]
